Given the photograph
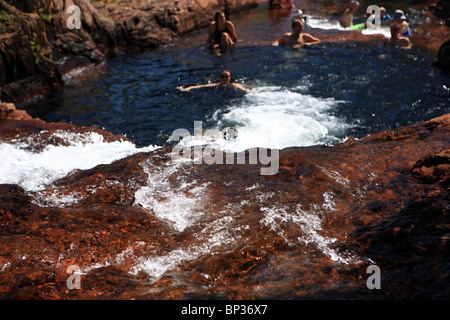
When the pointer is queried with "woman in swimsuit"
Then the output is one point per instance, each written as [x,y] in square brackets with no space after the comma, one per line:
[221,32]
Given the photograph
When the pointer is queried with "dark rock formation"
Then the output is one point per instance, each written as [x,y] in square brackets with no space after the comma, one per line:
[442,10]
[442,60]
[310,231]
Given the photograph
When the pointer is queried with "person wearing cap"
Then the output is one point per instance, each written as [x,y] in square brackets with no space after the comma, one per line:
[296,38]
[347,18]
[399,20]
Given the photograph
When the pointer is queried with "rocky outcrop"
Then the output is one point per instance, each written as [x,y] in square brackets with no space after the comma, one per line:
[37,46]
[309,231]
[442,60]
[8,111]
[442,10]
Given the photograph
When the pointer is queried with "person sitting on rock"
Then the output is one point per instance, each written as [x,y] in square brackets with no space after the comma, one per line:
[226,80]
[396,39]
[221,33]
[399,19]
[296,38]
[347,17]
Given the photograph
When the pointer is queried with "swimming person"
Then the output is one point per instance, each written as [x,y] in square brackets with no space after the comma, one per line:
[396,39]
[347,17]
[296,38]
[399,19]
[226,80]
[221,33]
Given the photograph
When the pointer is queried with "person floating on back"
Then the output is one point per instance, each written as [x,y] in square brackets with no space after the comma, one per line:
[347,17]
[221,33]
[296,38]
[226,80]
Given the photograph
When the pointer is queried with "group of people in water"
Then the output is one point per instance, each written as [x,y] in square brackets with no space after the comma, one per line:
[222,35]
[400,31]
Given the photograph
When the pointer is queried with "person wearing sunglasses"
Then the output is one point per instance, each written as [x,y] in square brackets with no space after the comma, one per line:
[226,80]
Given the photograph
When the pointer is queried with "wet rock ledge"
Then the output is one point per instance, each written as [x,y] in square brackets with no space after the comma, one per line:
[383,198]
[37,47]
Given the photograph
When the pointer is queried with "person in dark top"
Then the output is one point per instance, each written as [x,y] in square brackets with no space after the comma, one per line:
[221,32]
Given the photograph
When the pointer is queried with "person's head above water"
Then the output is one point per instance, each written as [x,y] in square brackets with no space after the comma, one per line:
[297,26]
[354,5]
[219,17]
[226,77]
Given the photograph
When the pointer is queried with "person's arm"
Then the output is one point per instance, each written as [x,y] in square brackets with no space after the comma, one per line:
[309,39]
[405,43]
[282,41]
[345,19]
[241,87]
[404,28]
[197,87]
[211,29]
[232,30]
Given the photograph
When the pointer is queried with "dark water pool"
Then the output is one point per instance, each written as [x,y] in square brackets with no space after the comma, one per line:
[343,88]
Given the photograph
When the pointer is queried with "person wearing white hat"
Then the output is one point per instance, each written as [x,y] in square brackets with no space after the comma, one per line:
[399,20]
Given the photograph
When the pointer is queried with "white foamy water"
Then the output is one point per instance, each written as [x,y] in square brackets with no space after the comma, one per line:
[278,118]
[35,170]
[274,118]
[321,23]
[177,202]
[310,222]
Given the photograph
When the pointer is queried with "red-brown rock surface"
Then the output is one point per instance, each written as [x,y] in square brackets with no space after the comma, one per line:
[146,227]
